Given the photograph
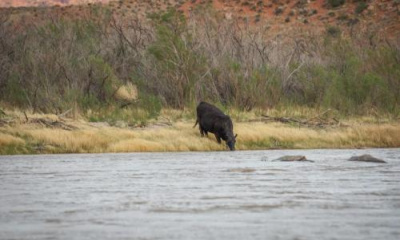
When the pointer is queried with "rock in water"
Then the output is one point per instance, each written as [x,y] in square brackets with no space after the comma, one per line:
[295,158]
[366,158]
[242,170]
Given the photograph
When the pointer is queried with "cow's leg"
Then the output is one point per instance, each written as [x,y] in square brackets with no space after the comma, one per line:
[202,131]
[218,138]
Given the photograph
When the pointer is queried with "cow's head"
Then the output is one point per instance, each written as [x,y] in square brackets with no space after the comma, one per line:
[231,142]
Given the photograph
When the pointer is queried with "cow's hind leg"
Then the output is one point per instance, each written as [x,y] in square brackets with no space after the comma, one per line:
[202,132]
[218,138]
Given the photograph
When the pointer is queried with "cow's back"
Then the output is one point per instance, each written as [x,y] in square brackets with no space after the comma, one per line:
[206,109]
[210,118]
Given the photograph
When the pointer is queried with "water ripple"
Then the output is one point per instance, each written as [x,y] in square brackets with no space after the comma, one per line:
[219,195]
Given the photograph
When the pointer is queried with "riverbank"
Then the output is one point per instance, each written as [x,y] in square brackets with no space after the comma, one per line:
[34,134]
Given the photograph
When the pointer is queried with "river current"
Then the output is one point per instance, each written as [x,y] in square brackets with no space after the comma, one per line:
[197,195]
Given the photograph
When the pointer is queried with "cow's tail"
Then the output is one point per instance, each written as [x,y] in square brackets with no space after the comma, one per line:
[197,121]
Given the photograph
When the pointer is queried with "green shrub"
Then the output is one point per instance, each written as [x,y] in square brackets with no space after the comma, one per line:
[175,66]
[14,93]
[336,3]
[361,6]
[333,31]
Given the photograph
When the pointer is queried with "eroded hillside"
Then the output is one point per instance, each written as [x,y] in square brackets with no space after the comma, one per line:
[380,17]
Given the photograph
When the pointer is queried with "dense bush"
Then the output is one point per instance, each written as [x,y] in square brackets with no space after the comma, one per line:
[335,3]
[175,62]
[361,6]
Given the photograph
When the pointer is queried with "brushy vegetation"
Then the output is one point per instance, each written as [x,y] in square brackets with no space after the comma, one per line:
[335,3]
[174,62]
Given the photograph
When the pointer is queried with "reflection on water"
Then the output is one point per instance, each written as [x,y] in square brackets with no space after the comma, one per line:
[219,195]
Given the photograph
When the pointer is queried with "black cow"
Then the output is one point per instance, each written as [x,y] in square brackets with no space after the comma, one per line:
[213,120]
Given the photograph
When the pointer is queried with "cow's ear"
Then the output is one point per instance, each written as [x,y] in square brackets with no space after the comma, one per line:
[235,136]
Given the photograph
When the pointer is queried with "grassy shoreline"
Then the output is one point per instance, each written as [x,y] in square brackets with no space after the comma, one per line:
[47,134]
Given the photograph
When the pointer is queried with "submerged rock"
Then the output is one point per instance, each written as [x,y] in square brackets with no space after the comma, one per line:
[366,158]
[241,170]
[294,158]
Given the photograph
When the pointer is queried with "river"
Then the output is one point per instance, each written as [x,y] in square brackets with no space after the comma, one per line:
[200,195]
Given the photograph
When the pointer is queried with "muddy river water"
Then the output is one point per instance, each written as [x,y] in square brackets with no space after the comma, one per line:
[213,195]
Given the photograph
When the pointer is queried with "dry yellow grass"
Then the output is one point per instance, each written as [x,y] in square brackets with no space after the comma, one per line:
[127,92]
[367,135]
[7,139]
[181,136]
